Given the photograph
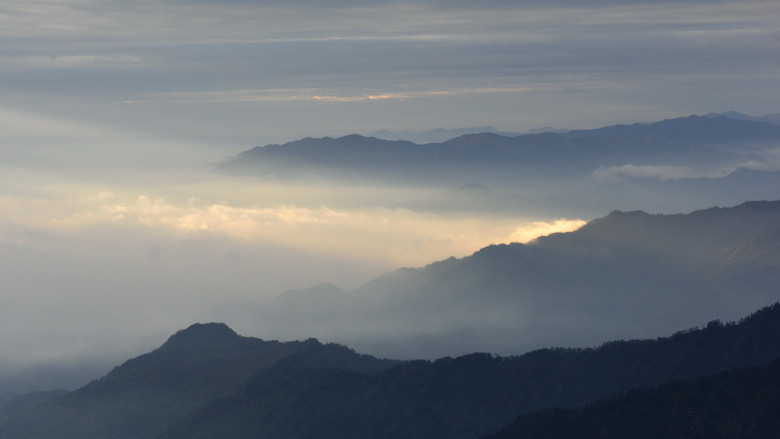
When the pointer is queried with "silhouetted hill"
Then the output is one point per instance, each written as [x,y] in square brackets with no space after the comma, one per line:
[738,404]
[207,381]
[143,395]
[470,395]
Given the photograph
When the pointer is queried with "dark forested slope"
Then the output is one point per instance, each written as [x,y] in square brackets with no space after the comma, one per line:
[145,394]
[470,395]
[207,381]
[738,404]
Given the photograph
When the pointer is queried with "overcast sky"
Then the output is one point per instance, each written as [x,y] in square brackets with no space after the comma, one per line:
[233,74]
[111,112]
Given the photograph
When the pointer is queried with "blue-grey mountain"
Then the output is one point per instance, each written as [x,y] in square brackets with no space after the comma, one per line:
[572,169]
[628,274]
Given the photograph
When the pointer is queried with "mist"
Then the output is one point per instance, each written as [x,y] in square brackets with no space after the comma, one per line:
[97,271]
[115,231]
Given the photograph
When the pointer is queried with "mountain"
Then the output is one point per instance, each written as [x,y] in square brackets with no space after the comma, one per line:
[556,159]
[206,381]
[471,395]
[434,136]
[145,394]
[628,274]
[738,404]
[702,129]
[441,135]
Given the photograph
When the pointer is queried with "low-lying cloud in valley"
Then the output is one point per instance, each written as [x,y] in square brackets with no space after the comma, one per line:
[80,257]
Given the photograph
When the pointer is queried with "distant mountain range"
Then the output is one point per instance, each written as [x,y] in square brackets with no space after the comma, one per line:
[680,142]
[441,135]
[206,382]
[705,129]
[585,171]
[629,274]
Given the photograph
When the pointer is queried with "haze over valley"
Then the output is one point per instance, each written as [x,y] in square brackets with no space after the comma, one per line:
[142,258]
[271,218]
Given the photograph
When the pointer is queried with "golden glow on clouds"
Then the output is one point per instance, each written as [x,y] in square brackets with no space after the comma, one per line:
[394,236]
[535,229]
[316,95]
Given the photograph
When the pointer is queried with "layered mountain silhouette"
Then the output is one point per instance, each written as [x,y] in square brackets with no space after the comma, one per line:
[206,381]
[628,274]
[464,397]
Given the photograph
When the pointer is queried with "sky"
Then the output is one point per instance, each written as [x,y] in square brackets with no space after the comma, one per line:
[112,114]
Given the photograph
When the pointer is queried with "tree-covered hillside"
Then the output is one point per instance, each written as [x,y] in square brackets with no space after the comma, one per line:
[472,395]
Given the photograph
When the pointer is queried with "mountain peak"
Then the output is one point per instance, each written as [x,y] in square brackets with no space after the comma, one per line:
[200,334]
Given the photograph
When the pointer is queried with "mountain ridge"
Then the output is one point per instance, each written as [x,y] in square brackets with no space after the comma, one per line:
[468,395]
[311,388]
[621,274]
[681,141]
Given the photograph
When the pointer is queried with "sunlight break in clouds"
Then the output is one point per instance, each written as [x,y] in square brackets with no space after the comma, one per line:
[396,236]
[529,232]
[316,95]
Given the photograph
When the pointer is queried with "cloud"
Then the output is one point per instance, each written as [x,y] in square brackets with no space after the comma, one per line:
[394,236]
[637,61]
[66,61]
[314,95]
[75,257]
[662,173]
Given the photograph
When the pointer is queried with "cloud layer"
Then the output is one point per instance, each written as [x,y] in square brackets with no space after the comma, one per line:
[80,257]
